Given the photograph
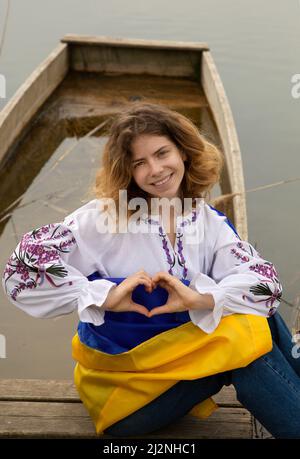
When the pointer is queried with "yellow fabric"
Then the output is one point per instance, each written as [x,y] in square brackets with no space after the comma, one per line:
[114,386]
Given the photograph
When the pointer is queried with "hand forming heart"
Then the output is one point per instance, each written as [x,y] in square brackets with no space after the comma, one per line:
[180,297]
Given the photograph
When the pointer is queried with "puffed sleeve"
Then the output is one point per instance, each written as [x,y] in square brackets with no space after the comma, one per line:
[239,280]
[46,276]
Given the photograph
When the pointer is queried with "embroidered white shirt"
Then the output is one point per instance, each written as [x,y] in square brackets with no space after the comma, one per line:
[46,275]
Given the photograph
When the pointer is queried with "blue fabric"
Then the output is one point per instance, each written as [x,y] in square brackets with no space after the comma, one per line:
[269,388]
[123,331]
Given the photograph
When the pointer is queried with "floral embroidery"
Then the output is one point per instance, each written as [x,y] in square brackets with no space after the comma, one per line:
[242,247]
[267,270]
[180,256]
[170,260]
[189,221]
[239,256]
[263,289]
[250,251]
[30,258]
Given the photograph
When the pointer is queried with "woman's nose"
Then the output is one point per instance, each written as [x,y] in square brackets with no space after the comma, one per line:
[155,169]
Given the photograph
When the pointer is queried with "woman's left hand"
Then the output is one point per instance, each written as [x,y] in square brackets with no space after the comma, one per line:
[181,298]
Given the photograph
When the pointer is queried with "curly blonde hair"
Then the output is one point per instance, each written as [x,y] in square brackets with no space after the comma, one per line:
[203,166]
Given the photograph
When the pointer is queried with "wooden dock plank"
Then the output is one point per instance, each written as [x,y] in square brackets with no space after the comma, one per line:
[45,420]
[223,423]
[65,390]
[70,420]
[38,389]
[52,409]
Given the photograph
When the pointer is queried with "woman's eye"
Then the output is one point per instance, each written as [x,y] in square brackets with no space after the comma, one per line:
[138,164]
[161,153]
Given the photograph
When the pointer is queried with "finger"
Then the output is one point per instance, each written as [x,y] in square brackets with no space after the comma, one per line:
[164,277]
[167,309]
[156,279]
[164,285]
[142,272]
[135,281]
[173,283]
[139,274]
[160,310]
[144,275]
[135,307]
[147,284]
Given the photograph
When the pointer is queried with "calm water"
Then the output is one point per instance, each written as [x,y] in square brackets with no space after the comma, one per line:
[256,49]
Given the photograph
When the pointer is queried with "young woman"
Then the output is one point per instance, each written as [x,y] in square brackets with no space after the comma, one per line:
[173,305]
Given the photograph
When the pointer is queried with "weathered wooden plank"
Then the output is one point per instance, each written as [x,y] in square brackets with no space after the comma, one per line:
[45,420]
[52,409]
[227,397]
[216,96]
[22,107]
[137,61]
[43,410]
[86,95]
[65,391]
[38,389]
[223,423]
[96,40]
[135,56]
[70,420]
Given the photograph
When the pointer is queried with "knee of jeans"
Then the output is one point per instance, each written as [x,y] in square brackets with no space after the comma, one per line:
[242,377]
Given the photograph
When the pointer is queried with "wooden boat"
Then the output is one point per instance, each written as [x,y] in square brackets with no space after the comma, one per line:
[86,79]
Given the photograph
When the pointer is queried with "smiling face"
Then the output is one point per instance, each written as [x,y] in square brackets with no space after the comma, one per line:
[157,165]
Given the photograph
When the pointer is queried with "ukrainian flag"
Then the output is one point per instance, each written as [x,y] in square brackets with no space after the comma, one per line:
[125,363]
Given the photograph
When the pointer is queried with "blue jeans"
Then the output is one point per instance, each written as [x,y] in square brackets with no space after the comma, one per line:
[269,388]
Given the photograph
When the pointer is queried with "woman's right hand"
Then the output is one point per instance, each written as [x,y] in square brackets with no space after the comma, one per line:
[119,297]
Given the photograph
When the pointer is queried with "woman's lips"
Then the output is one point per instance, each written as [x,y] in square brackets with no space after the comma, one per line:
[165,181]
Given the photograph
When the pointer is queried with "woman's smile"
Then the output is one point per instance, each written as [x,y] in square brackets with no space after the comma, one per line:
[163,182]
